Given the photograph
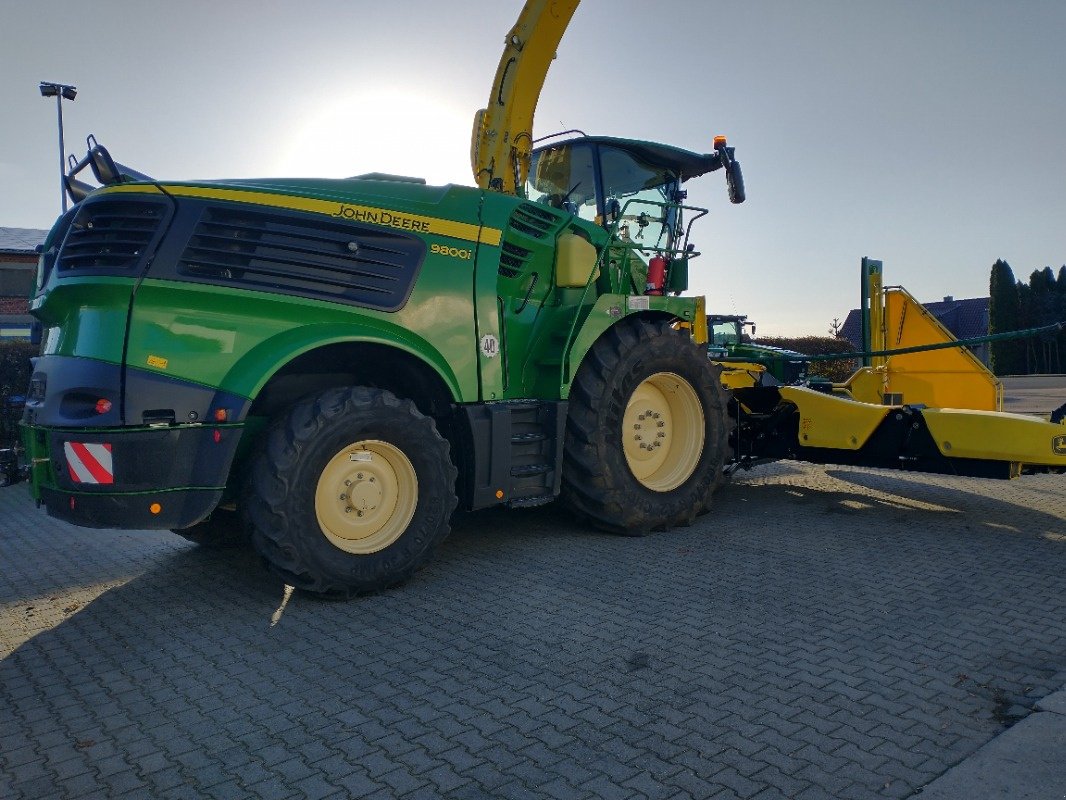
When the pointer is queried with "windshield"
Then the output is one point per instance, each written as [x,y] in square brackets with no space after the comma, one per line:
[564,177]
[640,189]
[724,333]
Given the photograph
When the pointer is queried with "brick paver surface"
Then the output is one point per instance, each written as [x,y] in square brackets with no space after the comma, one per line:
[824,632]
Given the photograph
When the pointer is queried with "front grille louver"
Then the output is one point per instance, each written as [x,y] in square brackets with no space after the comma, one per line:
[110,236]
[311,258]
[533,220]
[533,226]
[513,259]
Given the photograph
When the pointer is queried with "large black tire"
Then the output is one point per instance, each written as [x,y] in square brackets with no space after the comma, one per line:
[333,468]
[223,529]
[634,365]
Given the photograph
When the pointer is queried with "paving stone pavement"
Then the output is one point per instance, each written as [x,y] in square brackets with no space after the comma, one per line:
[824,632]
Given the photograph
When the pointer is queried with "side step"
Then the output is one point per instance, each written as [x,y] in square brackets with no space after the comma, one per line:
[517,453]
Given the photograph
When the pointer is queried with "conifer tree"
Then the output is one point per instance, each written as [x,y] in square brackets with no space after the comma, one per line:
[1004,315]
[1041,302]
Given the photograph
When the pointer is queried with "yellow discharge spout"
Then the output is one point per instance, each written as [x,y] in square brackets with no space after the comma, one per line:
[502,138]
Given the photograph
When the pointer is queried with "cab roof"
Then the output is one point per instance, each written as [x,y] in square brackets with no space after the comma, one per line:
[685,163]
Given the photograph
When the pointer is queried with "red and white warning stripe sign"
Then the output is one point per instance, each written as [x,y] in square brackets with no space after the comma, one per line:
[89,462]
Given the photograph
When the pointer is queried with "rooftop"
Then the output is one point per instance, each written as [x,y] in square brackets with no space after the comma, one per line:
[21,240]
[965,318]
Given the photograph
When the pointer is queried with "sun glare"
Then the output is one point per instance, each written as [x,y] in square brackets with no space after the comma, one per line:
[380,130]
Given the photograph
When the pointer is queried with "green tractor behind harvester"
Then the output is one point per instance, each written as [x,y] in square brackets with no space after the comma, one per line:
[729,343]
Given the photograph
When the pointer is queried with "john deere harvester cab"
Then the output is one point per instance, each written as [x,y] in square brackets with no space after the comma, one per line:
[632,188]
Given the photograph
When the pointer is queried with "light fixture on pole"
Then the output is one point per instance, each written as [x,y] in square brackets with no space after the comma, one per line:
[61,92]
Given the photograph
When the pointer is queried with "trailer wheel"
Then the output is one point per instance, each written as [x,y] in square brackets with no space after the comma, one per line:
[351,492]
[221,530]
[646,430]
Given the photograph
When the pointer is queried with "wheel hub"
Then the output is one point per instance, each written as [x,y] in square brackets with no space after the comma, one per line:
[366,496]
[663,431]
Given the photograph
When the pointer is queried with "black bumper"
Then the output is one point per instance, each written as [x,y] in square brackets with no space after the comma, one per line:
[155,478]
[153,511]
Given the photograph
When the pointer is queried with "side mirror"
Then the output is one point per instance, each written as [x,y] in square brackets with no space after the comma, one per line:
[77,190]
[612,209]
[103,165]
[734,181]
[734,178]
[108,171]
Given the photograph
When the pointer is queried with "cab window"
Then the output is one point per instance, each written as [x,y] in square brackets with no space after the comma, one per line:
[724,333]
[639,188]
[564,177]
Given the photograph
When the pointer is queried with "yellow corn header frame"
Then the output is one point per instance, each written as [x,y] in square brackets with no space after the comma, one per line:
[933,408]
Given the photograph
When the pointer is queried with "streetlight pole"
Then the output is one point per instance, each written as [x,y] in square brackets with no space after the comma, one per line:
[60,91]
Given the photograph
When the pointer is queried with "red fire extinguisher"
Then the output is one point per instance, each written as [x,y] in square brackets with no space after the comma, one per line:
[656,275]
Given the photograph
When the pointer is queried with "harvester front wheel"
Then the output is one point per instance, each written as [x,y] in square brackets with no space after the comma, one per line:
[646,430]
[351,492]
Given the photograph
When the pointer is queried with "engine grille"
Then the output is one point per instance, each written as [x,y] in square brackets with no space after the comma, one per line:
[110,236]
[513,259]
[531,228]
[533,220]
[313,258]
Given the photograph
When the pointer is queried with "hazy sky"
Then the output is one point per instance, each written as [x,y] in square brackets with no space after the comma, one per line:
[929,134]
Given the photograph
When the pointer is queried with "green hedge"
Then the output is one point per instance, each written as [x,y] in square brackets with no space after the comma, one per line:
[836,371]
[15,366]
[14,380]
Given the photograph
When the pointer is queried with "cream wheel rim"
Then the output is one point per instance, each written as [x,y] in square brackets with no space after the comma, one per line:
[366,496]
[663,431]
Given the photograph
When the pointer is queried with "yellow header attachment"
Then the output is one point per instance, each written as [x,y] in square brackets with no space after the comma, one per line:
[502,139]
[948,378]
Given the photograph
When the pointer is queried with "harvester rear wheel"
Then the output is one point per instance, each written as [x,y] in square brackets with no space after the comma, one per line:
[351,492]
[646,430]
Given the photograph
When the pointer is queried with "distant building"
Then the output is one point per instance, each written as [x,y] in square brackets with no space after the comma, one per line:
[966,319]
[18,261]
